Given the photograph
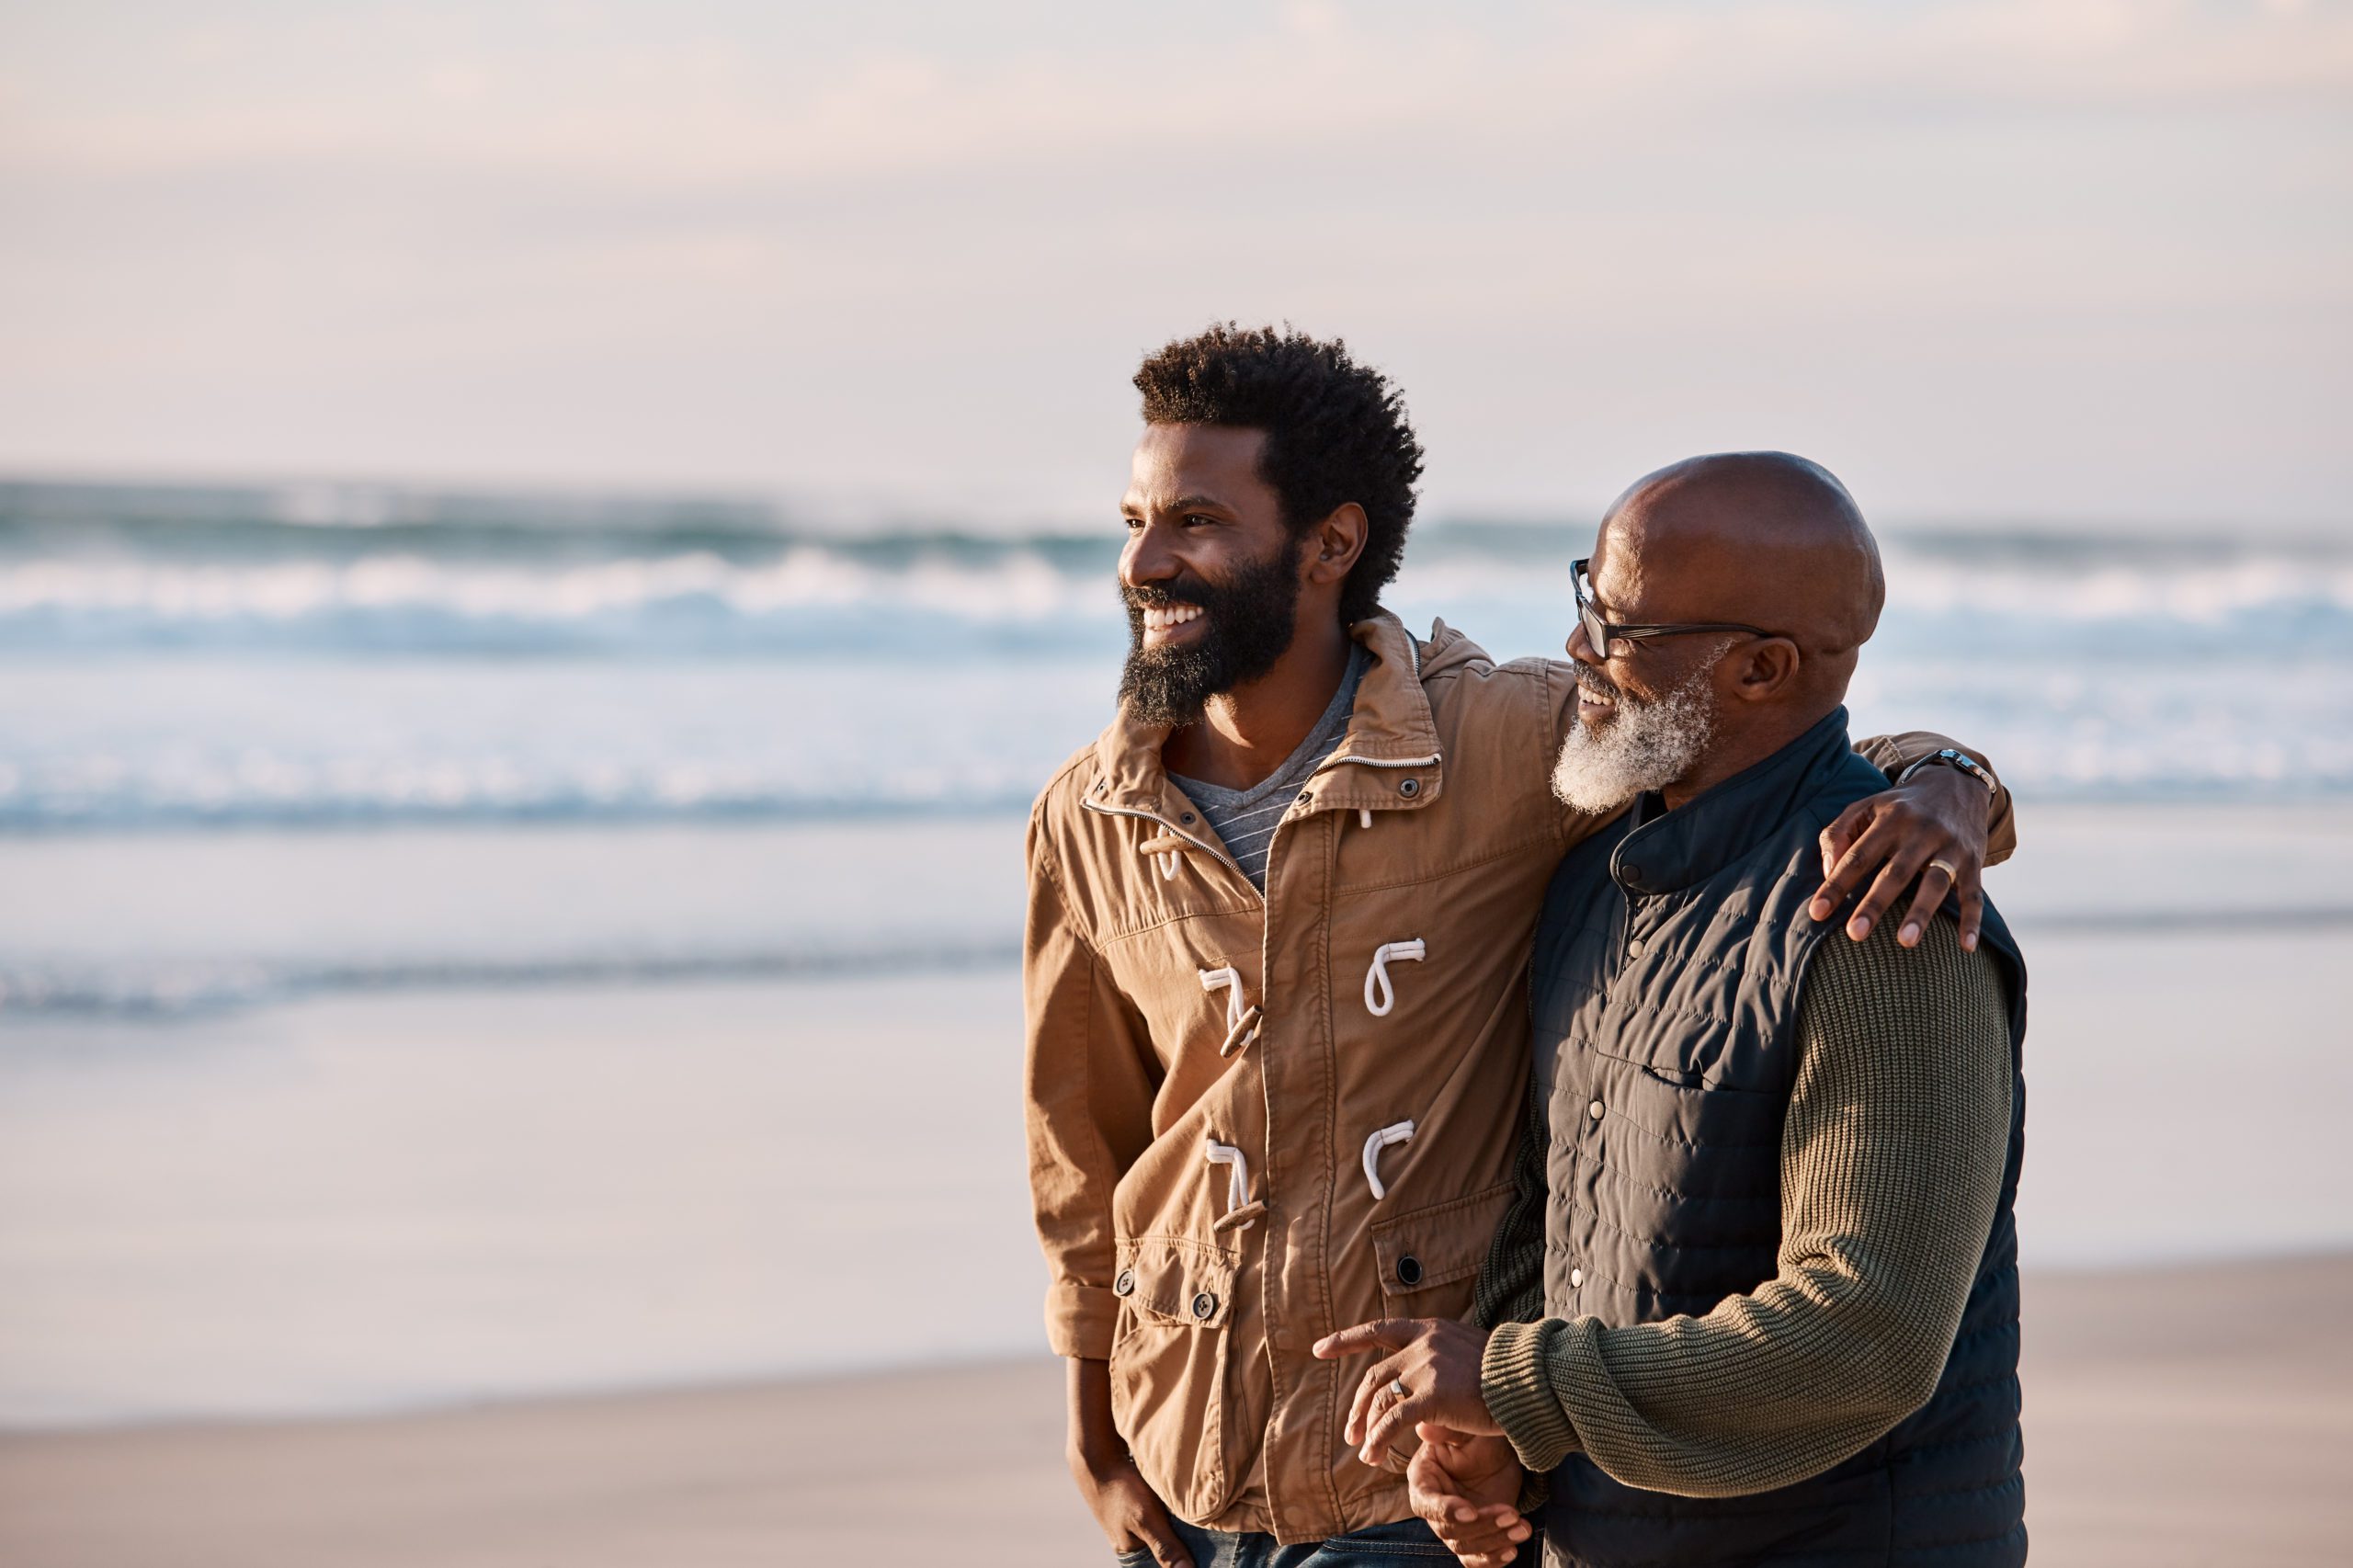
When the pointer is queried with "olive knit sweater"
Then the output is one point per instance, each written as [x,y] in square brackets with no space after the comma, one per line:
[1892,1157]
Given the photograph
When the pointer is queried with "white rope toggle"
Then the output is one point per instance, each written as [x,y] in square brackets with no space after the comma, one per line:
[1379,995]
[1237,1178]
[1364,815]
[1167,851]
[1372,1147]
[1241,1021]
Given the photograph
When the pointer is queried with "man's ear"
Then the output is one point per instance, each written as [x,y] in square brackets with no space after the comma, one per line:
[1765,669]
[1334,544]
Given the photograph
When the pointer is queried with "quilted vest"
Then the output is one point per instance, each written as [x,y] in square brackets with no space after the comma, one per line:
[1667,975]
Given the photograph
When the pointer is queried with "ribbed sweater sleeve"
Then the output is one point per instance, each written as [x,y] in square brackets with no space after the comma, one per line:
[1892,1157]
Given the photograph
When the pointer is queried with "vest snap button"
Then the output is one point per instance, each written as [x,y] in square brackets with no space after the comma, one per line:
[1409,786]
[1188,817]
[1125,1285]
[1634,947]
[1204,1306]
[1593,1110]
[1409,1270]
[1576,1278]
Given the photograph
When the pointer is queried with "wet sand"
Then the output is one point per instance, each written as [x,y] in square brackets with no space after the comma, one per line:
[2175,1416]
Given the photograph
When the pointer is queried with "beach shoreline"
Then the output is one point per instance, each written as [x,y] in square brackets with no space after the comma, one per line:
[2175,1415]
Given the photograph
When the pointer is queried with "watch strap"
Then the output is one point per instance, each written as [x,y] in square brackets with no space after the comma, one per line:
[1950,757]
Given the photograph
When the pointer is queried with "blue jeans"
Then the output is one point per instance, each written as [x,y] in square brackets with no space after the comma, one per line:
[1383,1546]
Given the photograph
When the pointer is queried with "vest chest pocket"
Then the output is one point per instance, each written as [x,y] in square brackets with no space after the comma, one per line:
[1669,1159]
[1429,1258]
[1168,1367]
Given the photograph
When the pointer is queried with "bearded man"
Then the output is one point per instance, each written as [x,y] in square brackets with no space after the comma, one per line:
[1279,924]
[1763,1243]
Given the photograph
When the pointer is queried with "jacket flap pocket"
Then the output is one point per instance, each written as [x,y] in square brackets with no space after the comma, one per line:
[1439,1244]
[1174,1280]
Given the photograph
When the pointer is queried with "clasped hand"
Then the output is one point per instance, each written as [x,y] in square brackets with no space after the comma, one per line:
[1464,1479]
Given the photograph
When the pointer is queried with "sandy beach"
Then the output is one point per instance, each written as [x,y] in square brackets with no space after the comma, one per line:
[2166,1424]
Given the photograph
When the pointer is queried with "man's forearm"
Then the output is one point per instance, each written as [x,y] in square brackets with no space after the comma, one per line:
[1092,1439]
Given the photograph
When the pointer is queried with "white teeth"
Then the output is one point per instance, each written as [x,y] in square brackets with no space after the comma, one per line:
[1164,618]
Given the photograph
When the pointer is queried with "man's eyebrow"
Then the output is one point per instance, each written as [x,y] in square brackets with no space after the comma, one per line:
[1182,504]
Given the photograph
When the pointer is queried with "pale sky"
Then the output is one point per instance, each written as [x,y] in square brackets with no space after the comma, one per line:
[2017,260]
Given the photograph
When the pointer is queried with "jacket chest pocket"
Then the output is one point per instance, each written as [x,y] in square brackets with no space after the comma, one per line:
[1429,1258]
[1169,1369]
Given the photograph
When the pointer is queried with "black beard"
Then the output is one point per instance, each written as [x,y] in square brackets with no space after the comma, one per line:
[1246,625]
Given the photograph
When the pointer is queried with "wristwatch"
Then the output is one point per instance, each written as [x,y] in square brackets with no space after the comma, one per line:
[1961,759]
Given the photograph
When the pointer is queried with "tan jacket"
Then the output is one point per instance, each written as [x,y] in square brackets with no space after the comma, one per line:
[1250,1128]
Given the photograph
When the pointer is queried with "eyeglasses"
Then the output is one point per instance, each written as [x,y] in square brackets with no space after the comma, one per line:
[1601,632]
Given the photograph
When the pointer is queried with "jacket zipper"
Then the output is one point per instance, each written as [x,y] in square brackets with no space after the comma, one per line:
[1215,852]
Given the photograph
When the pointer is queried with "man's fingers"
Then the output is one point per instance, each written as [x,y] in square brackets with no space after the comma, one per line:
[1457,1519]
[1167,1550]
[1469,1531]
[1935,881]
[1388,1334]
[1893,877]
[1837,840]
[1843,832]
[1376,1378]
[1475,1542]
[1973,908]
[1863,856]
[1392,1422]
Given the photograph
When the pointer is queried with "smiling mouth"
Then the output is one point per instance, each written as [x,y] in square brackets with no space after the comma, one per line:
[1159,620]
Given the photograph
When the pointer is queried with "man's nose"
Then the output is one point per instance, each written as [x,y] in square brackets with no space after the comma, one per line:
[1147,558]
[1581,648]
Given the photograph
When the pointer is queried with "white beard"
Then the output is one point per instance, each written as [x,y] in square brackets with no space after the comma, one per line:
[1646,745]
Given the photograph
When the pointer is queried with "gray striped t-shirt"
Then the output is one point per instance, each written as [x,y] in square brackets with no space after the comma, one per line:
[1245,819]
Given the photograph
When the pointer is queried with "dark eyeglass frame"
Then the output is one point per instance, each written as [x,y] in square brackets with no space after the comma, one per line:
[1601,632]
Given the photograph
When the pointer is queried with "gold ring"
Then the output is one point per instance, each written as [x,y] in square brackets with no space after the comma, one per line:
[1946,867]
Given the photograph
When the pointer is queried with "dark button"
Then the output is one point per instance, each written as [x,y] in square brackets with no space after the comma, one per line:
[1409,786]
[1204,1306]
[1409,1270]
[1125,1285]
[1630,872]
[1186,817]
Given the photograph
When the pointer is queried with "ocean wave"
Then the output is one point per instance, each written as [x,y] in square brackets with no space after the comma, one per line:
[428,795]
[818,598]
[809,597]
[367,569]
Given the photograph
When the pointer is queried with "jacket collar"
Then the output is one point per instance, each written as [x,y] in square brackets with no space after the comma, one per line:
[1667,851]
[1390,733]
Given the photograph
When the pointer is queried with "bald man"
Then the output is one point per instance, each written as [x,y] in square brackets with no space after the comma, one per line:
[1756,1299]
